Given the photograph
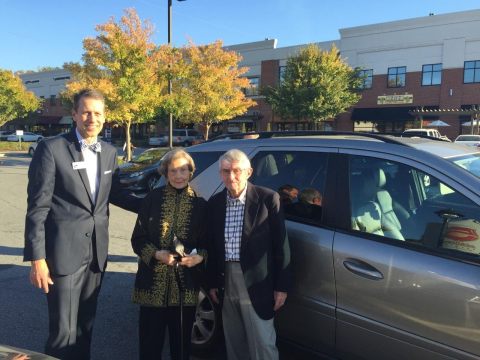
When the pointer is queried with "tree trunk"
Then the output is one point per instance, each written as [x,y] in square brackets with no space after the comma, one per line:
[206,130]
[128,141]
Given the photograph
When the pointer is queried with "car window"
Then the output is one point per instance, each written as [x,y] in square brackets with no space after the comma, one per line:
[203,160]
[178,133]
[299,178]
[400,202]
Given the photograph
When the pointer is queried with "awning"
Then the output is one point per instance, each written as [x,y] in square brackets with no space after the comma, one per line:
[400,113]
[66,120]
[48,120]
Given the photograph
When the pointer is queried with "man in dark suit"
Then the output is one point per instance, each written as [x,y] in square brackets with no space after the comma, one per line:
[248,257]
[72,179]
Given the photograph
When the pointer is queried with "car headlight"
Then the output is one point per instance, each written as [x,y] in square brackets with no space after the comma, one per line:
[136,174]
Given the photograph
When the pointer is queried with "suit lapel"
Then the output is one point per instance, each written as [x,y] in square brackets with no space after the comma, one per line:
[251,210]
[103,164]
[76,153]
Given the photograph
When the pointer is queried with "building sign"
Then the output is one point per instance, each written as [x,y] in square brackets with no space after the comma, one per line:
[394,99]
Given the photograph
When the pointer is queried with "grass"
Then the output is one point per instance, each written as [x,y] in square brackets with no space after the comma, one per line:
[14,146]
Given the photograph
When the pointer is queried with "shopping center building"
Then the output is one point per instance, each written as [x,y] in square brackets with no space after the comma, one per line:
[416,71]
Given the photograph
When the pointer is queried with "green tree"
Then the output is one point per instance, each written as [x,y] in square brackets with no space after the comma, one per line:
[317,85]
[15,100]
[123,63]
[210,87]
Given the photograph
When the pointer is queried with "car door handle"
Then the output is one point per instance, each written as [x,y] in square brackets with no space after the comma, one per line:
[363,269]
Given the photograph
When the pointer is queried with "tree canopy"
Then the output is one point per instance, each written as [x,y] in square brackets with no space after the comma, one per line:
[122,62]
[317,85]
[15,100]
[212,85]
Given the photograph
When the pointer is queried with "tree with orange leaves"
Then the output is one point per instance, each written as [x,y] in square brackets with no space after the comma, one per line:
[122,62]
[211,86]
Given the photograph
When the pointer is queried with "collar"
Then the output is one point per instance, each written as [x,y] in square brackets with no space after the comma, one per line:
[242,198]
[80,138]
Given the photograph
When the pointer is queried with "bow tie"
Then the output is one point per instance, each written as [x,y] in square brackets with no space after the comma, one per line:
[95,147]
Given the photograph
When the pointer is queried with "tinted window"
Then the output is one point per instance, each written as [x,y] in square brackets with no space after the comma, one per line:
[298,176]
[400,202]
[204,159]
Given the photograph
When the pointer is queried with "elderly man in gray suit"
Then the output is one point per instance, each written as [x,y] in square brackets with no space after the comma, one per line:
[72,180]
[248,257]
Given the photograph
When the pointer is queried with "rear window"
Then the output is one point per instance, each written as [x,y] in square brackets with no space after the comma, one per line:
[468,138]
[203,160]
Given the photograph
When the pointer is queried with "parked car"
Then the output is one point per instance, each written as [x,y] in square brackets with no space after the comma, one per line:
[471,140]
[160,140]
[27,136]
[429,133]
[141,173]
[389,268]
[5,134]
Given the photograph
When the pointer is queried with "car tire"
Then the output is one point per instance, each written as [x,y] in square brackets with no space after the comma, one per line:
[151,182]
[186,144]
[207,326]
[31,151]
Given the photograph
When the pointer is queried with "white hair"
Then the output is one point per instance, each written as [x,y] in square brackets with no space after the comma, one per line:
[235,155]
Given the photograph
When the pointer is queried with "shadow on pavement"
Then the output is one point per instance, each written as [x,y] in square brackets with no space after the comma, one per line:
[119,258]
[7,250]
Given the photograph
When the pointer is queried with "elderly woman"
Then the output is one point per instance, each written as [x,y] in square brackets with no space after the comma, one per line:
[171,221]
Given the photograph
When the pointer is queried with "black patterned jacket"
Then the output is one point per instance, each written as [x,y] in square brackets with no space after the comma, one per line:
[167,212]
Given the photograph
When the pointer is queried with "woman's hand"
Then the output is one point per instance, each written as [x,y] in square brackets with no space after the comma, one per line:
[165,257]
[191,260]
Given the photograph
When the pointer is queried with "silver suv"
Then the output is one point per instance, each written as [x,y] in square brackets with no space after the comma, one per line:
[388,266]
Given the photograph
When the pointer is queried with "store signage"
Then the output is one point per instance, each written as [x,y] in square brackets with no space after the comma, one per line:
[394,99]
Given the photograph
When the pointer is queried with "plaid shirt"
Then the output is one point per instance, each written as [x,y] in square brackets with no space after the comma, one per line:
[234,226]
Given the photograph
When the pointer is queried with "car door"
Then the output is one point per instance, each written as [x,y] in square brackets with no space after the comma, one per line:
[308,318]
[407,288]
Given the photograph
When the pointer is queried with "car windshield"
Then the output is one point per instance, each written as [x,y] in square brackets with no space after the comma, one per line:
[470,162]
[149,156]
[468,138]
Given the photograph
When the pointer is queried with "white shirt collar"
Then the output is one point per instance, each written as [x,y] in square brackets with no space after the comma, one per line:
[242,198]
[80,138]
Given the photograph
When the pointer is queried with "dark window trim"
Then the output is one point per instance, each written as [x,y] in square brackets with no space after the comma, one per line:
[475,68]
[397,74]
[432,71]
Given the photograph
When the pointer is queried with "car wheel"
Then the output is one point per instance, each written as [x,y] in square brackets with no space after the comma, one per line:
[151,182]
[31,151]
[206,327]
[186,144]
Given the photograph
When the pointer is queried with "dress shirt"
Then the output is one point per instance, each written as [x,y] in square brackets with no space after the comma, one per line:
[234,225]
[91,162]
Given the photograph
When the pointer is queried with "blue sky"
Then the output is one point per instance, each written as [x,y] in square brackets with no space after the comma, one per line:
[48,33]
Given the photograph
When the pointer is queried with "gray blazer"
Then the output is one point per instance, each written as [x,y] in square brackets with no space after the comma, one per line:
[61,216]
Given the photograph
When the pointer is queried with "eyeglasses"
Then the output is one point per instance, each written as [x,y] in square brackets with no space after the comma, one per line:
[227,172]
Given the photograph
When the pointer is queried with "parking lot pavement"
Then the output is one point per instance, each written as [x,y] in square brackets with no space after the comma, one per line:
[23,309]
[23,313]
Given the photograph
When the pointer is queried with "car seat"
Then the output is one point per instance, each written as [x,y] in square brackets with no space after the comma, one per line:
[390,223]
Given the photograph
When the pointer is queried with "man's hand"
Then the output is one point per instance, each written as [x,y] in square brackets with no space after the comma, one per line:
[165,257]
[40,275]
[279,298]
[214,295]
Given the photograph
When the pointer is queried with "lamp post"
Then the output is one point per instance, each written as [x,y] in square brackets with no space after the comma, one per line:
[170,115]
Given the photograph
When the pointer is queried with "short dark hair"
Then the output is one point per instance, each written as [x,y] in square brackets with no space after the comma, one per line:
[86,93]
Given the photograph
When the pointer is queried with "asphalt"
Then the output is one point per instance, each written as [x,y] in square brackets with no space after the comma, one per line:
[23,309]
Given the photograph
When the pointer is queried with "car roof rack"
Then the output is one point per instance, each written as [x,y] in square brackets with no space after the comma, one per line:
[387,138]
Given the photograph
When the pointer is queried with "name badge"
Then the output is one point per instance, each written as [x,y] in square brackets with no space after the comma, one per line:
[77,165]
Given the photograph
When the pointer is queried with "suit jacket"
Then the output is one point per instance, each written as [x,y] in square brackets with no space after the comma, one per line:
[61,216]
[264,249]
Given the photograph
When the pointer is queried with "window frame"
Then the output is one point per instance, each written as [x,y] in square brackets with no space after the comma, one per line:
[366,76]
[399,73]
[474,70]
[430,73]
